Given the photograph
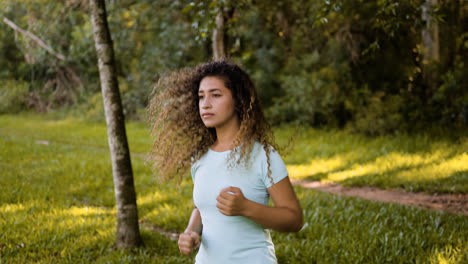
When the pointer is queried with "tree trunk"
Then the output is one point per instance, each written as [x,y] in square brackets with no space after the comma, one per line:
[430,33]
[430,41]
[128,234]
[219,47]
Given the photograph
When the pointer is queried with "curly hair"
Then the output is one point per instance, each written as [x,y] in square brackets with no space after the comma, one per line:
[180,136]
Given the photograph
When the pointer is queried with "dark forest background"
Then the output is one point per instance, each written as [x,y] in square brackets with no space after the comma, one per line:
[374,67]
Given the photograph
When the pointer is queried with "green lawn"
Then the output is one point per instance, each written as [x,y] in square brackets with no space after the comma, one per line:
[414,163]
[57,201]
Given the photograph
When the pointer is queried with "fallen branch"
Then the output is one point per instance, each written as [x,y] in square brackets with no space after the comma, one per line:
[34,37]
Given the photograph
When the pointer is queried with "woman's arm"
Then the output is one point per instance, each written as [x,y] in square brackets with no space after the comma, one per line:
[285,216]
[195,223]
[190,239]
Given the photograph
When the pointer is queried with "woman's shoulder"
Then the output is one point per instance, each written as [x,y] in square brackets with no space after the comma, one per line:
[194,160]
[261,147]
[259,150]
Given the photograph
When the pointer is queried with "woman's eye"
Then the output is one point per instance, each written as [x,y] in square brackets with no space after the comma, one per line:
[216,95]
[200,97]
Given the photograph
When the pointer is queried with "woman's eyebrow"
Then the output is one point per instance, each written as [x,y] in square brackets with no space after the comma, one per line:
[211,90]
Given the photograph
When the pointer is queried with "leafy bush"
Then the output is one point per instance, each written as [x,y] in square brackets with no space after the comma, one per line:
[13,96]
[94,110]
[313,92]
[382,115]
[450,100]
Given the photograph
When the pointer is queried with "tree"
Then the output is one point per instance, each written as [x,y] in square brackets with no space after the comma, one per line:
[430,41]
[219,49]
[430,33]
[219,39]
[128,234]
[339,60]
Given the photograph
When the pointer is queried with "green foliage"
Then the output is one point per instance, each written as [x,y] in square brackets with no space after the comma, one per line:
[450,102]
[57,202]
[151,37]
[312,92]
[374,49]
[94,110]
[324,63]
[13,95]
[382,115]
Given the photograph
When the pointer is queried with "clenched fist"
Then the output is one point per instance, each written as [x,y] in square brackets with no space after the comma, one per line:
[231,201]
[188,241]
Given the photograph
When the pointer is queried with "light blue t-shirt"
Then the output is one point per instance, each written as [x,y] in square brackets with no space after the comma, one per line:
[234,239]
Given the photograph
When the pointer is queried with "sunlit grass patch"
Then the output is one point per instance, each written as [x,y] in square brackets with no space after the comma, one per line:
[42,233]
[317,167]
[449,254]
[169,207]
[402,169]
[415,163]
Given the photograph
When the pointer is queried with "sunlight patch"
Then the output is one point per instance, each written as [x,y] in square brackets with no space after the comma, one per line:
[408,166]
[12,208]
[317,166]
[80,211]
[442,170]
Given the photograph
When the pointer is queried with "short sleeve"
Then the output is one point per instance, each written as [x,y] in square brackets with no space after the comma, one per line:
[277,166]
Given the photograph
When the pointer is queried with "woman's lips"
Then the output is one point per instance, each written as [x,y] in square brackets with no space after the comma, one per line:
[207,115]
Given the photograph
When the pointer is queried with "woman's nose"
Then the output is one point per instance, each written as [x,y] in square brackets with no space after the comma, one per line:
[205,103]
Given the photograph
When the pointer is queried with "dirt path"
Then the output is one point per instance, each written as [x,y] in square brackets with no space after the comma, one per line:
[452,203]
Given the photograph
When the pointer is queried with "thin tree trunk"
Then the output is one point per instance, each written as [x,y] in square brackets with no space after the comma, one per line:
[219,48]
[128,234]
[430,33]
[431,55]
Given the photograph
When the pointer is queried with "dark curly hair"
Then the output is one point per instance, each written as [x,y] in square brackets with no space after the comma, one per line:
[180,136]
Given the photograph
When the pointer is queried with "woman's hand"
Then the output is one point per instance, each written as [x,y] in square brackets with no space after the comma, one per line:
[188,241]
[231,201]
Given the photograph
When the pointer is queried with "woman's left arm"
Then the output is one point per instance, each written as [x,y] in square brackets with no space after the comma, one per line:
[284,216]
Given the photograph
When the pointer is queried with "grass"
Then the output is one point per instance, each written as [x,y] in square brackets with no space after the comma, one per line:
[353,230]
[57,200]
[57,203]
[411,162]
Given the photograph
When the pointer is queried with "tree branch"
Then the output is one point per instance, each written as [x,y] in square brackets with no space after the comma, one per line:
[34,37]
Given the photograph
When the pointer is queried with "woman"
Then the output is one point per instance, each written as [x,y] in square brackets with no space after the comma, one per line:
[210,118]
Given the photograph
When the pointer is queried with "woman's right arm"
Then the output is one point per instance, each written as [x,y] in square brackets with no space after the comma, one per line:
[190,239]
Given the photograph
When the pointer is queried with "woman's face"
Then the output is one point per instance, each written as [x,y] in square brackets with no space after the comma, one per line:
[216,104]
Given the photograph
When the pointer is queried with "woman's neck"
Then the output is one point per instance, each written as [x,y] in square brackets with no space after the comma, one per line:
[226,135]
